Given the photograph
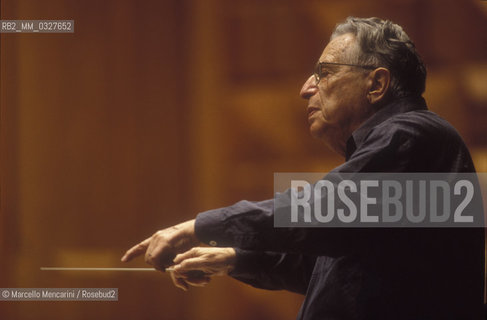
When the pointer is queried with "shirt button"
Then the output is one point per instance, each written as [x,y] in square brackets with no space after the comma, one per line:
[212,243]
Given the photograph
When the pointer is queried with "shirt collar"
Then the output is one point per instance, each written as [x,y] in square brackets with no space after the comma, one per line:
[397,106]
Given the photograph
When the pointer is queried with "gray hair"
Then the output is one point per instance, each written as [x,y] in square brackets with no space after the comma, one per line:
[382,43]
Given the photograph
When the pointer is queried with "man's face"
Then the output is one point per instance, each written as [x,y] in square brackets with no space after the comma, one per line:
[338,102]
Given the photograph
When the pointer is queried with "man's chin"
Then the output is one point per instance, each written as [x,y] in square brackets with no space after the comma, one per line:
[326,137]
[317,131]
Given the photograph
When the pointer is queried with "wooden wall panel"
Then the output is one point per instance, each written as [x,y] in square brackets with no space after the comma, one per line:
[153,111]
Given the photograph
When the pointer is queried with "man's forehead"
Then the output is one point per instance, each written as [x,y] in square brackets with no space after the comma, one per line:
[337,48]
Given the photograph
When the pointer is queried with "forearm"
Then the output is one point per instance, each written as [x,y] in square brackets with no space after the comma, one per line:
[250,225]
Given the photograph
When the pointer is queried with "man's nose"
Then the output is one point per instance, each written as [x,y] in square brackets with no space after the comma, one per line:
[309,88]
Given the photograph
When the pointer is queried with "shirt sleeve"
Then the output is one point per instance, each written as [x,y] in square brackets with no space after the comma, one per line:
[250,225]
[273,270]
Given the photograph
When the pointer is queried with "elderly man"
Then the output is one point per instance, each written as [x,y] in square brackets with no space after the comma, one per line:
[364,102]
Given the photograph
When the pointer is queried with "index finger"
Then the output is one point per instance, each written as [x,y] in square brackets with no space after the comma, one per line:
[136,250]
[191,253]
[192,264]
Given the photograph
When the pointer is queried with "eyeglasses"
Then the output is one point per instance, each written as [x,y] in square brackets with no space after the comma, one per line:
[318,74]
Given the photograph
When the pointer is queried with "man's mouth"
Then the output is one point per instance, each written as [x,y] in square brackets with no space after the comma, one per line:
[312,110]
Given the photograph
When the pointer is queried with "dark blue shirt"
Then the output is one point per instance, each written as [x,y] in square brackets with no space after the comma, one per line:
[373,273]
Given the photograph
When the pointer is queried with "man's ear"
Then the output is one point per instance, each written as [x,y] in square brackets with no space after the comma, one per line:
[380,79]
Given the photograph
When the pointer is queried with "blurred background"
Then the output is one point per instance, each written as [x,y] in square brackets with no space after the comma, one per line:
[153,111]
